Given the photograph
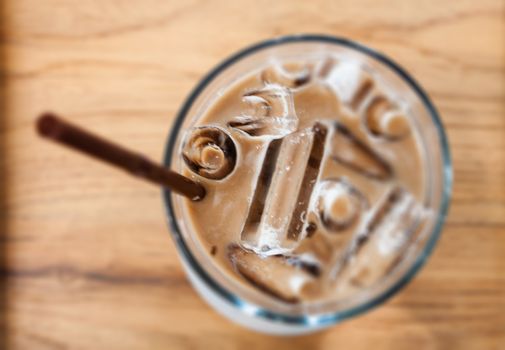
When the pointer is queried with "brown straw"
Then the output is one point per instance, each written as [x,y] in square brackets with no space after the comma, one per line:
[56,129]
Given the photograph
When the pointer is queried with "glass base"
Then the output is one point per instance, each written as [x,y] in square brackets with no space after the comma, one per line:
[241,317]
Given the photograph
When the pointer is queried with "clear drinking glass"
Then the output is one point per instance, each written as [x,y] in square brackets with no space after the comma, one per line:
[261,313]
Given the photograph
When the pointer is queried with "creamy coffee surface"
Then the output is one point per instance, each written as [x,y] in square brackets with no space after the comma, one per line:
[315,179]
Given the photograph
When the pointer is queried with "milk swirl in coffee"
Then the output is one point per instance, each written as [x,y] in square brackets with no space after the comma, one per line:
[314,178]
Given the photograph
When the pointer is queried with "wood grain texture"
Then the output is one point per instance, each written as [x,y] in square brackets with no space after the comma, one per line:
[87,262]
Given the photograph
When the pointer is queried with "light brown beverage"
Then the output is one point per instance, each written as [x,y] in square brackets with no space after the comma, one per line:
[314,178]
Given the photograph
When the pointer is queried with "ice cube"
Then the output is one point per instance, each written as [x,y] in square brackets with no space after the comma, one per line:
[291,75]
[209,151]
[325,66]
[349,80]
[350,151]
[270,112]
[339,204]
[279,276]
[316,100]
[381,240]
[277,213]
[316,248]
[384,119]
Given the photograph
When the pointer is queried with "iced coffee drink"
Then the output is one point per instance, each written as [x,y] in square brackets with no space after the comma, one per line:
[315,180]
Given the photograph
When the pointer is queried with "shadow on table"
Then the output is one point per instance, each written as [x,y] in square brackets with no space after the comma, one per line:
[3,207]
[409,320]
[252,340]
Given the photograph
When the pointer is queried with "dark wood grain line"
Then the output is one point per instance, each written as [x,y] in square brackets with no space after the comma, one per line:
[45,341]
[481,200]
[467,110]
[68,273]
[100,115]
[468,97]
[445,305]
[134,112]
[473,123]
[455,223]
[464,197]
[109,65]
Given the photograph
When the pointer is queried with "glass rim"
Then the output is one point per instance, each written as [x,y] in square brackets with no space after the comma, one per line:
[324,319]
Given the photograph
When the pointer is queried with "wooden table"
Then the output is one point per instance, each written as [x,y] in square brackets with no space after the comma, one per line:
[87,257]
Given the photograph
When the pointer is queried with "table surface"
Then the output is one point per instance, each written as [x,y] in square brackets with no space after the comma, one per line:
[86,254]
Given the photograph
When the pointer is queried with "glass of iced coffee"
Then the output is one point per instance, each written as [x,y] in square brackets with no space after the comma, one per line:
[327,177]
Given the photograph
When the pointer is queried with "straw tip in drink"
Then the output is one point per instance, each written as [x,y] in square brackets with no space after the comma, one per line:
[48,125]
[201,194]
